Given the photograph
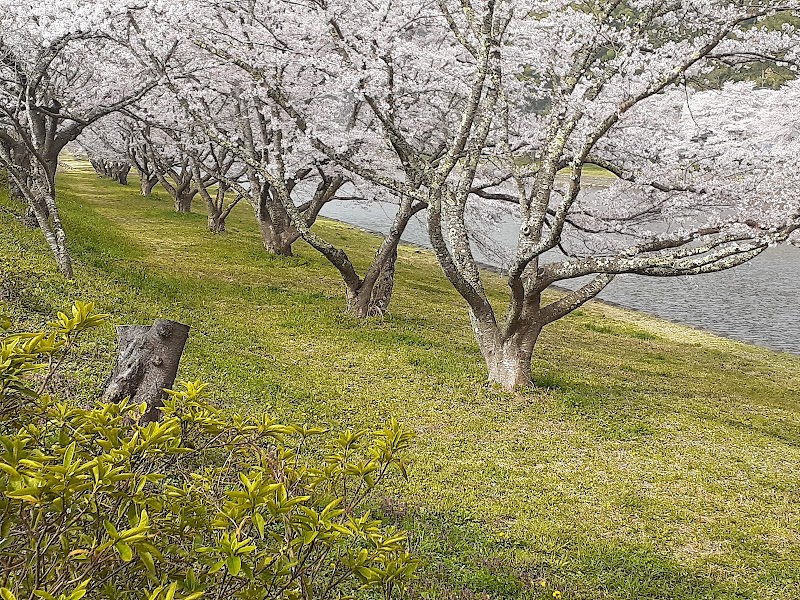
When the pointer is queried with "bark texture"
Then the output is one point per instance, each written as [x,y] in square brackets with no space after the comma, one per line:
[508,358]
[370,297]
[147,363]
[34,178]
[147,183]
[183,200]
[276,240]
[277,232]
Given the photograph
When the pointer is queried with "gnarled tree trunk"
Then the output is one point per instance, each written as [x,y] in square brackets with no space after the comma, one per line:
[98,166]
[382,291]
[147,363]
[49,221]
[183,200]
[277,240]
[120,173]
[112,169]
[147,183]
[508,357]
[217,211]
[373,299]
[37,184]
[216,223]
[274,223]
[176,179]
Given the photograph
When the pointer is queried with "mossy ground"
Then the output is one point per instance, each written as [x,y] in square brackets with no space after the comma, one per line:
[650,461]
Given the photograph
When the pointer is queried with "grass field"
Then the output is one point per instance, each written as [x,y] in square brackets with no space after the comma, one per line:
[650,461]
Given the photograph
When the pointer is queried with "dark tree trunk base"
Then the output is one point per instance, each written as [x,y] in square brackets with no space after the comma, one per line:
[146,185]
[121,174]
[275,241]
[147,363]
[279,250]
[183,202]
[216,224]
[373,301]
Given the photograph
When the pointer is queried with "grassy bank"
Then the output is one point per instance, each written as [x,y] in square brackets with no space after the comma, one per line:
[651,461]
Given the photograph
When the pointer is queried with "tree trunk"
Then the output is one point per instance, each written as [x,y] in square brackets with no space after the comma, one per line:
[64,261]
[215,208]
[372,301]
[29,216]
[41,187]
[508,358]
[146,184]
[183,201]
[121,173]
[381,295]
[46,218]
[276,240]
[216,223]
[147,363]
[357,303]
[42,206]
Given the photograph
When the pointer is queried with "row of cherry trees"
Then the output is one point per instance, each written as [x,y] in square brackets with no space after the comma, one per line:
[189,165]
[455,108]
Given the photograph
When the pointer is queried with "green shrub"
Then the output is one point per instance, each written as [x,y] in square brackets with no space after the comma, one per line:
[200,504]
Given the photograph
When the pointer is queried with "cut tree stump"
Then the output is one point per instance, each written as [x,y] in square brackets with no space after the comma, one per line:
[147,363]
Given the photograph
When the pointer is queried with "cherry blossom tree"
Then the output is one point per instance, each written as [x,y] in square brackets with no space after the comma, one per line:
[105,145]
[451,107]
[122,139]
[174,166]
[186,166]
[449,103]
[237,124]
[288,183]
[696,193]
[223,168]
[136,134]
[289,178]
[62,68]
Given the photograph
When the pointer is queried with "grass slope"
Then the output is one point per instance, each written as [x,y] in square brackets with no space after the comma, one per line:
[651,461]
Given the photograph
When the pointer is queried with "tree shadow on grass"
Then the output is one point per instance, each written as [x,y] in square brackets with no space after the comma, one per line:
[465,559]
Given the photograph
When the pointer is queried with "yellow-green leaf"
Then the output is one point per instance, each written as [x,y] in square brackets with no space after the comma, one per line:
[124,550]
[171,591]
[234,564]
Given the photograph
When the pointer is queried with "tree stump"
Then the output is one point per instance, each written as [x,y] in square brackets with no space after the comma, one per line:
[147,363]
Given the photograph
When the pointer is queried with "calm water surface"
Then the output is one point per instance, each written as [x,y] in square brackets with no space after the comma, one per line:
[756,302]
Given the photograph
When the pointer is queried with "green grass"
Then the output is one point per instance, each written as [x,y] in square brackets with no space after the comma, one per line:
[596,172]
[651,460]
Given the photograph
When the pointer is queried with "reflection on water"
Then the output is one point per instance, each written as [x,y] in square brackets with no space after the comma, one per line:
[756,302]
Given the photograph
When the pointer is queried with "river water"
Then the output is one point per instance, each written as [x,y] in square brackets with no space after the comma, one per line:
[756,302]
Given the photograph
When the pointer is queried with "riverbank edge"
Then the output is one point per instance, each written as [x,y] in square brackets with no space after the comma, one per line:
[72,162]
[598,301]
